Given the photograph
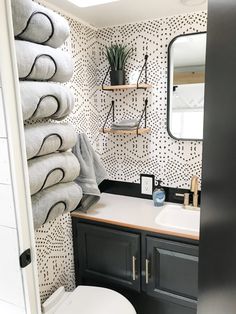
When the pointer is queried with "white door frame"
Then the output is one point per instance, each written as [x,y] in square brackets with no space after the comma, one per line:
[18,160]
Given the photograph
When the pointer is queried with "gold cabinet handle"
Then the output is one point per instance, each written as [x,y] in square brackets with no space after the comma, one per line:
[147,271]
[134,268]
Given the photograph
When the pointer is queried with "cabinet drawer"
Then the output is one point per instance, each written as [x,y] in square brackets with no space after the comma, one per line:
[109,256]
[173,271]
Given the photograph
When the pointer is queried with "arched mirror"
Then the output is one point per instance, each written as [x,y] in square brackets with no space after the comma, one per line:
[186,84]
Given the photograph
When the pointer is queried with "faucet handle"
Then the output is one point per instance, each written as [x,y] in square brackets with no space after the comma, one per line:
[185,196]
[194,190]
[186,199]
[194,184]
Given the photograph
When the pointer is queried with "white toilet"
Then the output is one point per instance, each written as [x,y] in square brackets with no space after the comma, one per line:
[87,300]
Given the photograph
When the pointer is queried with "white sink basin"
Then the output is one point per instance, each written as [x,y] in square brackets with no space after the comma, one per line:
[176,217]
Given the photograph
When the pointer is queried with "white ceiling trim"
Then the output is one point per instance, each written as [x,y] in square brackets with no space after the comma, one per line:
[146,20]
[125,12]
[64,12]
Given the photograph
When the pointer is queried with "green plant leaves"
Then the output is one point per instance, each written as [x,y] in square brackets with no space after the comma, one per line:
[117,56]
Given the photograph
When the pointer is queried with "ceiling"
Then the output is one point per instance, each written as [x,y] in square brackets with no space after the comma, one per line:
[126,11]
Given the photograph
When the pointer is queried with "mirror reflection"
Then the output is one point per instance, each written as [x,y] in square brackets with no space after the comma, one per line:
[187,56]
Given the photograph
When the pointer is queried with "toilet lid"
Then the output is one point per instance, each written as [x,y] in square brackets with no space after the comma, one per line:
[95,300]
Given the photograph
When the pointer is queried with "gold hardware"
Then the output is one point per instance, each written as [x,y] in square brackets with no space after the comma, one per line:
[147,271]
[194,189]
[134,268]
[186,199]
[185,196]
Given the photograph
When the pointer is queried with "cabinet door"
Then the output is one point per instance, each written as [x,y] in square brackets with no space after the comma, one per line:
[172,268]
[109,256]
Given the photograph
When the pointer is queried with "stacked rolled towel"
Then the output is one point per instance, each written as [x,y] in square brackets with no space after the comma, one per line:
[46,138]
[126,124]
[42,63]
[52,169]
[45,100]
[34,23]
[49,170]
[54,201]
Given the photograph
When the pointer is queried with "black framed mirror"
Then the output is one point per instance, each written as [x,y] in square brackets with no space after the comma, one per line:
[186,86]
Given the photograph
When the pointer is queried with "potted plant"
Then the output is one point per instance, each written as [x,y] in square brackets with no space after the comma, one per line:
[117,56]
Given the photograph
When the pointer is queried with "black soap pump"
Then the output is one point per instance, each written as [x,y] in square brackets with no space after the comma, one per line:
[159,195]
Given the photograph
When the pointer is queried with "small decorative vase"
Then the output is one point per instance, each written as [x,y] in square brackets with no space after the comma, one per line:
[117,77]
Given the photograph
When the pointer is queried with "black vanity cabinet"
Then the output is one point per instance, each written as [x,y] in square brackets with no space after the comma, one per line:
[159,276]
[109,256]
[172,271]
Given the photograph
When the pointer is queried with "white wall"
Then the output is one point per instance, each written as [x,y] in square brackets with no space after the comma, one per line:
[11,284]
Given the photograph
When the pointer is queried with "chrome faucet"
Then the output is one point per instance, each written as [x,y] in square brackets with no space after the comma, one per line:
[194,190]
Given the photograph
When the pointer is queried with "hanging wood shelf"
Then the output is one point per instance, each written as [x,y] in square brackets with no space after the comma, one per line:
[127,132]
[138,130]
[124,87]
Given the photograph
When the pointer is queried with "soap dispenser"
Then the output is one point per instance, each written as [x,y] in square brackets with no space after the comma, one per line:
[159,195]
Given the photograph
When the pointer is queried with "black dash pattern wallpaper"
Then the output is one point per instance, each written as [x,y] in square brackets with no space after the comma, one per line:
[125,157]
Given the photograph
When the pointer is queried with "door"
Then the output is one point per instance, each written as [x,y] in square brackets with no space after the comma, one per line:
[19,290]
[172,271]
[109,256]
[217,270]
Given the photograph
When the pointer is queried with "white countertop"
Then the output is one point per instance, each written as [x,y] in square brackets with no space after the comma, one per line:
[131,212]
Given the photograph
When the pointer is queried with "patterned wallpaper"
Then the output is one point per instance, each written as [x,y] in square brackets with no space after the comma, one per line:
[55,256]
[125,157]
[83,47]
[156,153]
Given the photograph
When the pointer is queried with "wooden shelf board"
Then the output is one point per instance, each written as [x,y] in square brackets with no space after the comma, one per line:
[189,78]
[131,86]
[127,132]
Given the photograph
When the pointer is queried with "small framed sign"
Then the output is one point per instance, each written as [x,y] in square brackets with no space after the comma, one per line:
[147,183]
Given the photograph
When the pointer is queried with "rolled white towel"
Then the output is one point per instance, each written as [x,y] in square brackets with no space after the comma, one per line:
[46,138]
[45,100]
[55,201]
[33,22]
[46,171]
[41,63]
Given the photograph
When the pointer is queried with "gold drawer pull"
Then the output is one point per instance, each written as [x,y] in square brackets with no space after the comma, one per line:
[134,268]
[147,271]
